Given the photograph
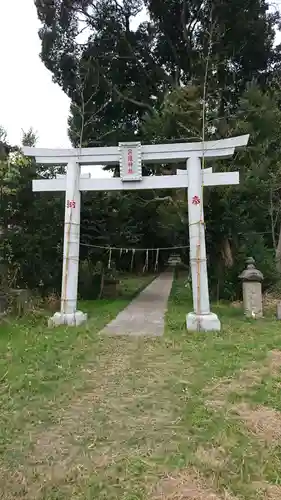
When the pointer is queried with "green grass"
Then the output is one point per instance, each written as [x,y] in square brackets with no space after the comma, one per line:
[91,417]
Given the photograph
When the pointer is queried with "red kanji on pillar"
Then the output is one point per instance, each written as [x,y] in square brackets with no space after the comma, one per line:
[195,200]
[71,204]
[130,161]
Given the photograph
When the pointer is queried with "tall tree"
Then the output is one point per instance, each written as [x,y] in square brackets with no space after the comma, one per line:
[112,78]
[238,35]
[119,72]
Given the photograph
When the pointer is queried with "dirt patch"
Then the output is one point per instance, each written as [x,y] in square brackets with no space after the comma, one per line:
[245,379]
[58,438]
[214,458]
[274,362]
[237,304]
[117,418]
[268,491]
[270,301]
[272,492]
[58,453]
[187,485]
[264,422]
[17,484]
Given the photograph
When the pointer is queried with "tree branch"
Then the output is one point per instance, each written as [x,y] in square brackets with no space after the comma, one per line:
[187,32]
[170,200]
[123,97]
[206,82]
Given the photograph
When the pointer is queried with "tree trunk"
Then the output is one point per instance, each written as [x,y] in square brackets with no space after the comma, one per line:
[278,253]
[226,253]
[101,284]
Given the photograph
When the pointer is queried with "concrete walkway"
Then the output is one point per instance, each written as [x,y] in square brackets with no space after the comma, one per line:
[145,316]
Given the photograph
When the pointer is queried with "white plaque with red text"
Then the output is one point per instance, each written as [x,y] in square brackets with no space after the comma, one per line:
[130,161]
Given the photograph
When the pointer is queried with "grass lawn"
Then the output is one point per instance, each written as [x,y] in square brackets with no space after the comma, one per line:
[187,416]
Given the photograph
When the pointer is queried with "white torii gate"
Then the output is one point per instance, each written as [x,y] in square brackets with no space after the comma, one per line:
[130,156]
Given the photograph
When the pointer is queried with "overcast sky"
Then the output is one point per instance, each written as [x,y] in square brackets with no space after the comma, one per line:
[28,97]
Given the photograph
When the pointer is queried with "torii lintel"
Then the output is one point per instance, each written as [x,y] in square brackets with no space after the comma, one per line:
[154,153]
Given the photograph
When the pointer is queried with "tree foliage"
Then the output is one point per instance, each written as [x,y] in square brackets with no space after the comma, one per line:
[156,71]
[122,70]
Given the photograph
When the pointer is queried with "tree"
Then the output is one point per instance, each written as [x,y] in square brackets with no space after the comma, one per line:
[119,73]
[31,224]
[29,138]
[253,226]
[192,69]
[112,78]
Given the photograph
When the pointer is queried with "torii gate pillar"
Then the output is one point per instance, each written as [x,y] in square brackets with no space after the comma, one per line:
[201,319]
[68,314]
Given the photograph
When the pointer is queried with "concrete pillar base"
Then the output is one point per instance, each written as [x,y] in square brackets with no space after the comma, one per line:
[203,322]
[70,319]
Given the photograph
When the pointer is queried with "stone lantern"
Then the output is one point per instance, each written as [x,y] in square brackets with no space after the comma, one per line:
[174,260]
[252,290]
[174,263]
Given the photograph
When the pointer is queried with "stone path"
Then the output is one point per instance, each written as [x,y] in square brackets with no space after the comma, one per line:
[145,316]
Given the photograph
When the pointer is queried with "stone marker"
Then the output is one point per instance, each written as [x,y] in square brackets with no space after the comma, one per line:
[3,303]
[278,310]
[174,260]
[252,290]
